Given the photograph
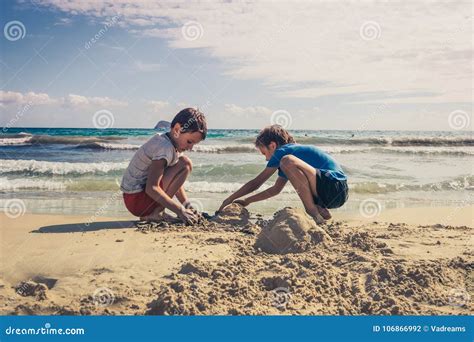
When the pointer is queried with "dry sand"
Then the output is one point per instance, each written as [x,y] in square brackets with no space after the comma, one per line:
[234,265]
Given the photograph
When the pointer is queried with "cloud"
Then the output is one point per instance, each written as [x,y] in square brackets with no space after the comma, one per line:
[317,49]
[8,98]
[73,100]
[157,106]
[248,111]
[64,22]
[31,98]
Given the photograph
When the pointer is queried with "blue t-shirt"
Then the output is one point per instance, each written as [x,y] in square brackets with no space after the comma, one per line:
[311,155]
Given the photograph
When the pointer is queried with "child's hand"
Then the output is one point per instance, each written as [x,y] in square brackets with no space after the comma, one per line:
[224,204]
[243,202]
[188,205]
[188,216]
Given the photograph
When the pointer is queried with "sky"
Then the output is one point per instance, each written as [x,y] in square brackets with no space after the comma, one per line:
[304,64]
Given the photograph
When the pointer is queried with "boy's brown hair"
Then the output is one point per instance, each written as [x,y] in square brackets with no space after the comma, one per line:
[274,133]
[191,120]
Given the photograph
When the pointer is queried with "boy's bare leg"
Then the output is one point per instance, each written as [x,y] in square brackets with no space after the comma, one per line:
[173,179]
[303,178]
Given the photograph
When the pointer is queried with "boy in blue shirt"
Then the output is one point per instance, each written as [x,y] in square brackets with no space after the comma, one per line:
[317,178]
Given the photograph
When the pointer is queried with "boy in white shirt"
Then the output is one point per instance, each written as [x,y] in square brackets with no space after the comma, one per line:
[159,169]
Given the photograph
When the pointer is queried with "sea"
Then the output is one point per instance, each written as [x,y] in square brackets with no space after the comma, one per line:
[77,171]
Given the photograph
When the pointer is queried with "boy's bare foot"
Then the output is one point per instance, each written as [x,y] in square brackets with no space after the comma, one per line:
[156,216]
[160,217]
[318,219]
[324,212]
[152,218]
[314,213]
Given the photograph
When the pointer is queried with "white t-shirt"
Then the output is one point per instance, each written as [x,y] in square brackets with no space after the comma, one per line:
[136,174]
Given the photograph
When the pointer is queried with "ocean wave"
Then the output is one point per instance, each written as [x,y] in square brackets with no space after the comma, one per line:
[242,148]
[457,146]
[108,146]
[402,141]
[382,141]
[458,183]
[222,187]
[15,141]
[227,171]
[427,150]
[25,138]
[18,184]
[79,184]
[58,168]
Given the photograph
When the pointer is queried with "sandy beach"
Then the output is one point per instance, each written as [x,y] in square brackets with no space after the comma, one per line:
[405,261]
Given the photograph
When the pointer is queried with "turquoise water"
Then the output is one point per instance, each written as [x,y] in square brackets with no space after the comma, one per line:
[75,170]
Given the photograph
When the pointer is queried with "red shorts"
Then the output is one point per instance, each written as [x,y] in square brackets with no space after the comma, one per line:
[140,204]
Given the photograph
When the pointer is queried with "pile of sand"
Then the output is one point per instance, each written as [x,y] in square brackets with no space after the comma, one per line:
[233,218]
[290,231]
[233,214]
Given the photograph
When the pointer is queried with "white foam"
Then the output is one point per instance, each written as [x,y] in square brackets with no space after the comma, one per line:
[17,184]
[58,168]
[15,141]
[112,146]
[345,149]
[225,148]
[222,187]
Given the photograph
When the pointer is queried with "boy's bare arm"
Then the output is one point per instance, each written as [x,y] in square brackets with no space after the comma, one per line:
[153,189]
[181,195]
[270,192]
[250,186]
[183,198]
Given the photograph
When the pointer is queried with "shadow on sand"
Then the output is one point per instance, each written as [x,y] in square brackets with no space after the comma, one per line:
[85,227]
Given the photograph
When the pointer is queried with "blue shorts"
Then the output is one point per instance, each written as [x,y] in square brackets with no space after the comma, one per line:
[332,193]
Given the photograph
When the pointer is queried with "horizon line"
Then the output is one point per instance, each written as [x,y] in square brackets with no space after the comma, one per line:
[5,129]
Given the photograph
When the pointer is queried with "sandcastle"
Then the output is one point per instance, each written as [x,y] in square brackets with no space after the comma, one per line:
[290,231]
